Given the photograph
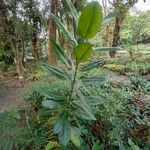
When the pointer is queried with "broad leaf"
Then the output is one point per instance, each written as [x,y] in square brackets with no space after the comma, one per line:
[110,17]
[96,49]
[60,122]
[67,34]
[92,65]
[55,71]
[90,20]
[61,54]
[83,52]
[75,138]
[64,135]
[93,80]
[49,104]
[73,10]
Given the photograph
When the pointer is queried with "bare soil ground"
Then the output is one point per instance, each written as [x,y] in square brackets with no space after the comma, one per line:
[12,94]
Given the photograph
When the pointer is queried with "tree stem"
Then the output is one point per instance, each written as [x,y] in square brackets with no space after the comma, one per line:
[73,81]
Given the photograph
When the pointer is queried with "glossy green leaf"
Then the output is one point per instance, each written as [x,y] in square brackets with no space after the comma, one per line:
[61,54]
[55,71]
[59,124]
[49,104]
[93,80]
[67,34]
[64,135]
[75,138]
[73,10]
[83,52]
[92,65]
[110,17]
[97,49]
[90,20]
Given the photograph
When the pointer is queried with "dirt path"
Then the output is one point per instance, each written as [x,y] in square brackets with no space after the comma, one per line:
[12,94]
[118,78]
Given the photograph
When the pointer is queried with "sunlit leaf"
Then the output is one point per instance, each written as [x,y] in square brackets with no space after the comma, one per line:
[90,20]
[83,52]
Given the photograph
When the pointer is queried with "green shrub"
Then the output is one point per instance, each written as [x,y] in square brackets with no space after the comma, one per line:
[74,109]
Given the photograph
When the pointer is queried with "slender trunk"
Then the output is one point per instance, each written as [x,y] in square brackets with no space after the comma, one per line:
[35,49]
[61,36]
[106,36]
[18,60]
[106,42]
[23,52]
[12,37]
[116,36]
[52,34]
[35,52]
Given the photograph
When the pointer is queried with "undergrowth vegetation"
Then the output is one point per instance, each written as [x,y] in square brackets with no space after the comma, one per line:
[74,105]
[122,120]
[136,62]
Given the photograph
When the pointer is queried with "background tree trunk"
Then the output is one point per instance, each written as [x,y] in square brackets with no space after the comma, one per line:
[52,34]
[106,35]
[35,49]
[116,36]
[18,60]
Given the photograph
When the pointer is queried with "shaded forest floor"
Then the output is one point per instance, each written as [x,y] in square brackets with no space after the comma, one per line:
[12,91]
[12,94]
